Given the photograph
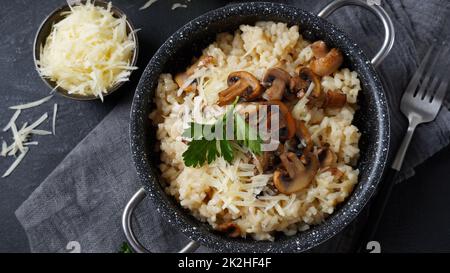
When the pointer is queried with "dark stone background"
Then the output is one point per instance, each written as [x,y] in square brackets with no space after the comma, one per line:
[416,218]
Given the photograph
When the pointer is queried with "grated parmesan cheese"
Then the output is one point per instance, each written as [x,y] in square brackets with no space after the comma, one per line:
[55,109]
[21,136]
[148,4]
[36,123]
[31,143]
[12,120]
[18,138]
[4,148]
[16,162]
[88,51]
[300,106]
[40,132]
[178,5]
[31,104]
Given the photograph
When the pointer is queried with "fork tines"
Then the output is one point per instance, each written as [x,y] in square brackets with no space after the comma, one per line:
[430,82]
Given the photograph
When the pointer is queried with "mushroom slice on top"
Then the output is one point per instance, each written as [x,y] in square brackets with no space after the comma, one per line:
[287,116]
[335,99]
[326,156]
[328,64]
[319,49]
[242,84]
[296,175]
[300,84]
[276,80]
[293,145]
[181,78]
[265,161]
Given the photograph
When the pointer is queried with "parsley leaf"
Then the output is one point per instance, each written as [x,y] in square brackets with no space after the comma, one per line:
[247,136]
[125,248]
[205,148]
[227,150]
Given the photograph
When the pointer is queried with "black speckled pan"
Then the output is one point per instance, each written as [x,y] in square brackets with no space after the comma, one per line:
[175,54]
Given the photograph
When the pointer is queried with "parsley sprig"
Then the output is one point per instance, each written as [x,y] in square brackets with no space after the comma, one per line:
[204,147]
[125,248]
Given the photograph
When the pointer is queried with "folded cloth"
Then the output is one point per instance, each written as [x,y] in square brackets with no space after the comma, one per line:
[83,198]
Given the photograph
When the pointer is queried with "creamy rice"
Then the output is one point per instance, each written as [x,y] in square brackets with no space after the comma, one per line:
[222,192]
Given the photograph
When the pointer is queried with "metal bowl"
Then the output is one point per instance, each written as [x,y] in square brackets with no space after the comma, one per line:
[45,30]
[372,119]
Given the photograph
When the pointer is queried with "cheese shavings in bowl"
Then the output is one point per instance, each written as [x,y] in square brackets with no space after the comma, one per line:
[89,52]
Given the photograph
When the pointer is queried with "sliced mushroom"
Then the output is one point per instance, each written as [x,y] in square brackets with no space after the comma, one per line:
[302,133]
[335,99]
[319,49]
[327,64]
[288,121]
[300,84]
[296,175]
[265,161]
[297,88]
[293,145]
[326,156]
[242,84]
[230,229]
[276,80]
[181,78]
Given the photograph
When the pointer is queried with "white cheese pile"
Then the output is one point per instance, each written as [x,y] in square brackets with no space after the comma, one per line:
[88,51]
[21,137]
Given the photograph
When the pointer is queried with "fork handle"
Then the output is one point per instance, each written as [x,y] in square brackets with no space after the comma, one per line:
[379,202]
[400,156]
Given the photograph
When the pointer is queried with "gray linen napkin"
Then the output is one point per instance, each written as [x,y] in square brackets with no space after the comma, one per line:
[83,198]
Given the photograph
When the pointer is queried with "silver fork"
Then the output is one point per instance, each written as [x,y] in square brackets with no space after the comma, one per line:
[422,99]
[420,104]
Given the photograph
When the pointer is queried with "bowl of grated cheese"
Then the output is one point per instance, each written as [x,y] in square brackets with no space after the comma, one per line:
[86,50]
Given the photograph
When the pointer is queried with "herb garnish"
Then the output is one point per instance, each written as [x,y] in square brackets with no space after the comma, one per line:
[125,248]
[206,148]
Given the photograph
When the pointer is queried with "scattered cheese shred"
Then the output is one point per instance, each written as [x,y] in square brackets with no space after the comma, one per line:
[31,143]
[148,4]
[20,138]
[4,149]
[40,132]
[178,5]
[13,120]
[88,51]
[55,109]
[16,162]
[31,104]
[37,122]
[300,106]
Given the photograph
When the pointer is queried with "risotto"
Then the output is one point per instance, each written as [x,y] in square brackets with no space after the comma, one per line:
[313,168]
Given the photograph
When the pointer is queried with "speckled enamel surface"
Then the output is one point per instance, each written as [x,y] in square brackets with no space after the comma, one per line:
[372,119]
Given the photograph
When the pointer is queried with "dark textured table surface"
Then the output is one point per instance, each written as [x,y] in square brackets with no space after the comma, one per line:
[415,219]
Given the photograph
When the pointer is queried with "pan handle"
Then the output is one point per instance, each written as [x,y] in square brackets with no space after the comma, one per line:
[389,32]
[128,230]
